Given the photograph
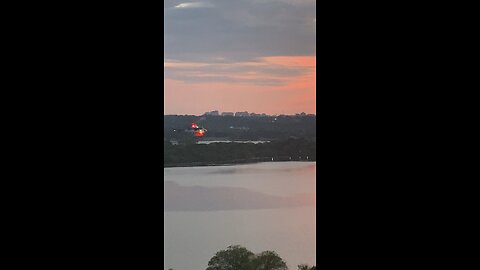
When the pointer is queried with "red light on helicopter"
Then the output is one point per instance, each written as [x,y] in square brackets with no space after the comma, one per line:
[199,133]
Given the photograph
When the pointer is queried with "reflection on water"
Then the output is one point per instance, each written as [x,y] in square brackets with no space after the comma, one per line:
[266,206]
[274,178]
[253,169]
[198,198]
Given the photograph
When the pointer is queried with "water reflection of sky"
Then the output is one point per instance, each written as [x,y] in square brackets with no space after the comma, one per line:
[199,198]
[254,206]
[270,178]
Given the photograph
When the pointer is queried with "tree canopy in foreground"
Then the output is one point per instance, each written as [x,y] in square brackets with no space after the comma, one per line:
[239,258]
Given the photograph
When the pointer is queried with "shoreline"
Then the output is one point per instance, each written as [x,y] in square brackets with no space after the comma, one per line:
[226,163]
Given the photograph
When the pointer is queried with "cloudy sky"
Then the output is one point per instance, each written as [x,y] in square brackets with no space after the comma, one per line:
[239,55]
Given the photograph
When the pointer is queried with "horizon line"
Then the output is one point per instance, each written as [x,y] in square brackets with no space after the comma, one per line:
[257,114]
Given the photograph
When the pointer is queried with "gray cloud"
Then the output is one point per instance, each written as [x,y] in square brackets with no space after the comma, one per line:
[264,74]
[238,30]
[194,5]
[229,79]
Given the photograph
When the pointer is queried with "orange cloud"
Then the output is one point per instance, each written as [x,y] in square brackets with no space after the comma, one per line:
[291,94]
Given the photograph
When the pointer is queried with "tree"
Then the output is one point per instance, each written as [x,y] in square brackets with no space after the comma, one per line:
[239,258]
[268,260]
[234,258]
[306,267]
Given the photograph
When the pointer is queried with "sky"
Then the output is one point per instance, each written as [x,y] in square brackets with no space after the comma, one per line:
[239,55]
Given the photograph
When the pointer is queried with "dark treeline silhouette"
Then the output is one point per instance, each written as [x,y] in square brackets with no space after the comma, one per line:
[290,138]
[239,258]
[242,128]
[191,154]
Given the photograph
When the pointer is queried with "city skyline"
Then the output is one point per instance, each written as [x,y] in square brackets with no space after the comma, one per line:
[245,55]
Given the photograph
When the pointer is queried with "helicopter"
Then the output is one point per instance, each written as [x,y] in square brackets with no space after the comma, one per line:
[197,131]
[193,129]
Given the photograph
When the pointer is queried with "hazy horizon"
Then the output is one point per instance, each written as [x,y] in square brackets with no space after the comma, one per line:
[245,55]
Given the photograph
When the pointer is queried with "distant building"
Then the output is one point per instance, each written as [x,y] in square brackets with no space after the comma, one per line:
[214,113]
[227,114]
[242,114]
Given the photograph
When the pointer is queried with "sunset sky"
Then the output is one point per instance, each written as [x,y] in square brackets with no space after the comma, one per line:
[239,55]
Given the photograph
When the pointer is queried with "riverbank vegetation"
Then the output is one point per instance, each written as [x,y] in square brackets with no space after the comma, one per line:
[191,154]
[242,128]
[287,138]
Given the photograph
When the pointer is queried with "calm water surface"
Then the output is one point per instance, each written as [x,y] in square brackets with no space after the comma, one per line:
[264,206]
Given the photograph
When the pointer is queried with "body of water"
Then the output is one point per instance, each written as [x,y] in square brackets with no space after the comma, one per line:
[263,206]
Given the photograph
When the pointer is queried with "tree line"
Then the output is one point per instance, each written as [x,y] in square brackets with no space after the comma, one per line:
[242,128]
[282,150]
[239,258]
